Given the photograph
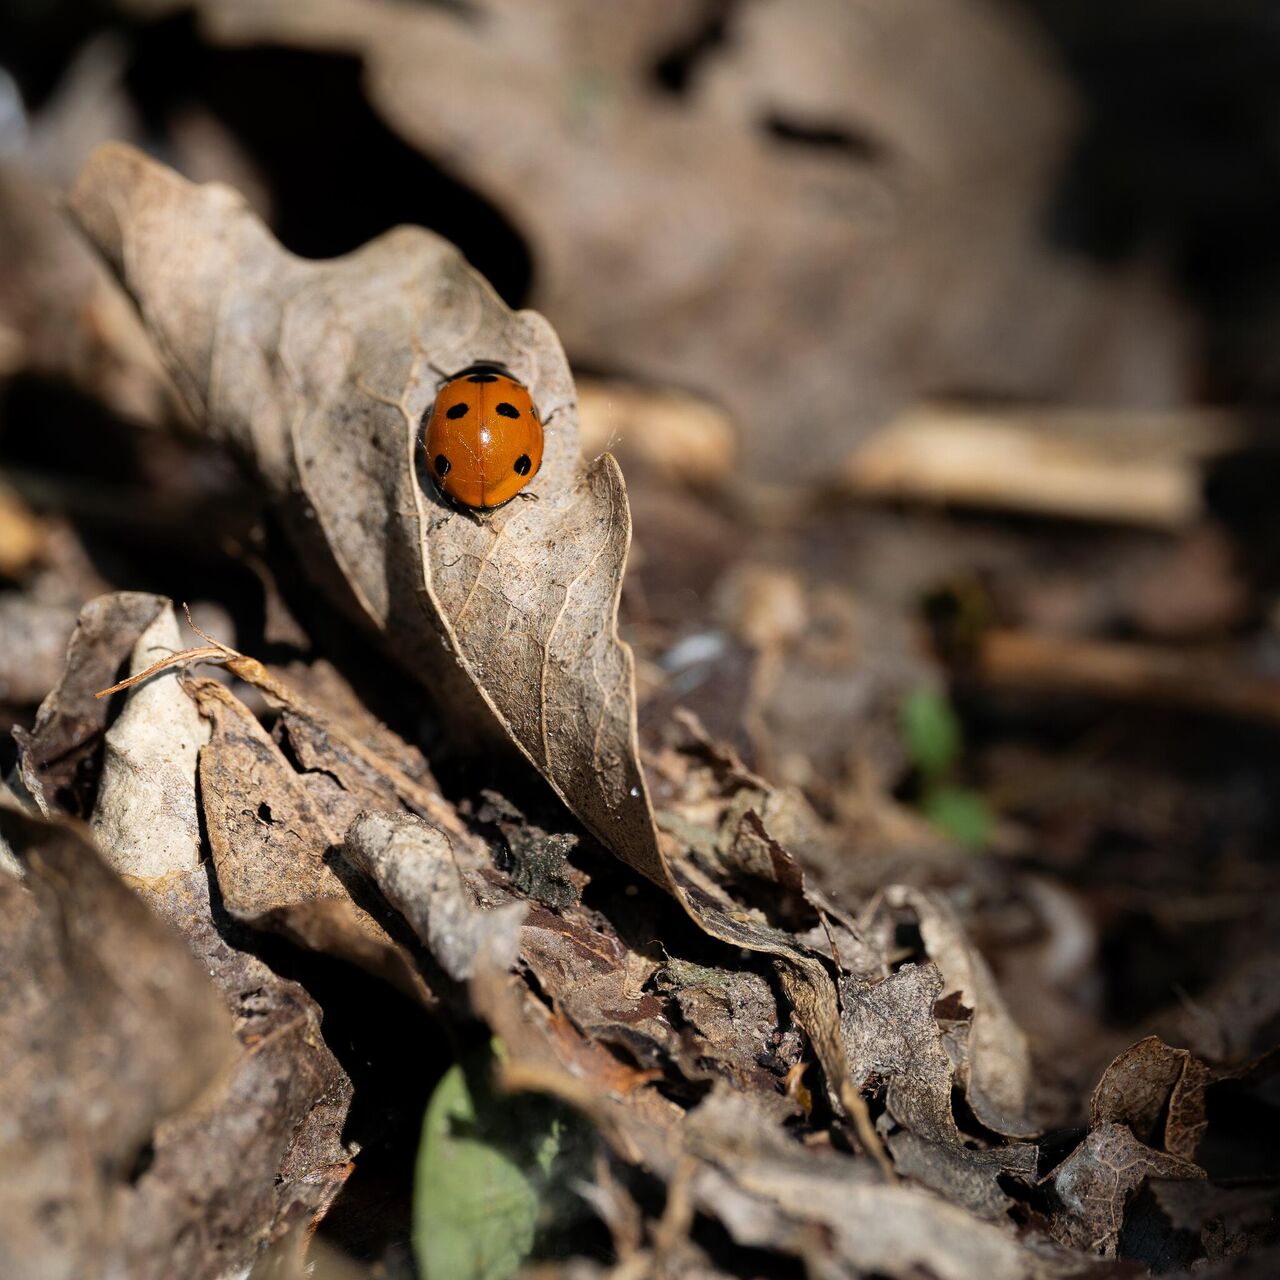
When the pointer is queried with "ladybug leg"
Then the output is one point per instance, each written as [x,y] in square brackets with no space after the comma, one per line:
[532,497]
[459,509]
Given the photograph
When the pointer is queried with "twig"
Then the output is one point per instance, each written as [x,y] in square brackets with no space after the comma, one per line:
[1127,466]
[1127,672]
[251,671]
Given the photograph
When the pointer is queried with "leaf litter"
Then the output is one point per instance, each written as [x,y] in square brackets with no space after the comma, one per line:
[747,1060]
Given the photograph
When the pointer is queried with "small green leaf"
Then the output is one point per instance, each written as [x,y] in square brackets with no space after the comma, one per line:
[962,813]
[494,1174]
[931,732]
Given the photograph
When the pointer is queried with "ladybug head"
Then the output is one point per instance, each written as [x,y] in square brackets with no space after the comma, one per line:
[485,366]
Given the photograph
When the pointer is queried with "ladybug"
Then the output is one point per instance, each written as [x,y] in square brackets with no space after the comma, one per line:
[484,437]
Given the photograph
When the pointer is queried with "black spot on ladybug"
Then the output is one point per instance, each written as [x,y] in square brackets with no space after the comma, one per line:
[508,410]
[442,465]
[457,410]
[483,377]
[523,464]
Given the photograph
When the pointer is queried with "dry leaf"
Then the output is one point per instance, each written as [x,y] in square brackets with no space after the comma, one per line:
[996,1065]
[471,917]
[536,859]
[108,1028]
[349,761]
[1158,1092]
[319,373]
[712,784]
[145,818]
[1097,1181]
[59,764]
[264,1151]
[736,1019]
[769,1191]
[273,853]
[965,1177]
[891,1034]
[341,783]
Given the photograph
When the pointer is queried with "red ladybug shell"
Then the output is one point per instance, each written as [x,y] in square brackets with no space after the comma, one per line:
[484,437]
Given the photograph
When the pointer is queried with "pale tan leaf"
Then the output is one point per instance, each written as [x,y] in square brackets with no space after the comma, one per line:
[319,373]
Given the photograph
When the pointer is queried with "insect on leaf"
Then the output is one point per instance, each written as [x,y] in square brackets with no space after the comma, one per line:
[319,374]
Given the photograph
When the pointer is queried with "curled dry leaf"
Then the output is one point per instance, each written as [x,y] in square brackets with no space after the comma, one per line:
[769,1191]
[1159,1093]
[730,836]
[58,754]
[579,959]
[263,1149]
[108,1028]
[145,818]
[965,1177]
[472,918]
[890,1033]
[772,1193]
[319,373]
[995,1065]
[1097,1181]
[278,864]
[263,1152]
[736,1015]
[744,1170]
